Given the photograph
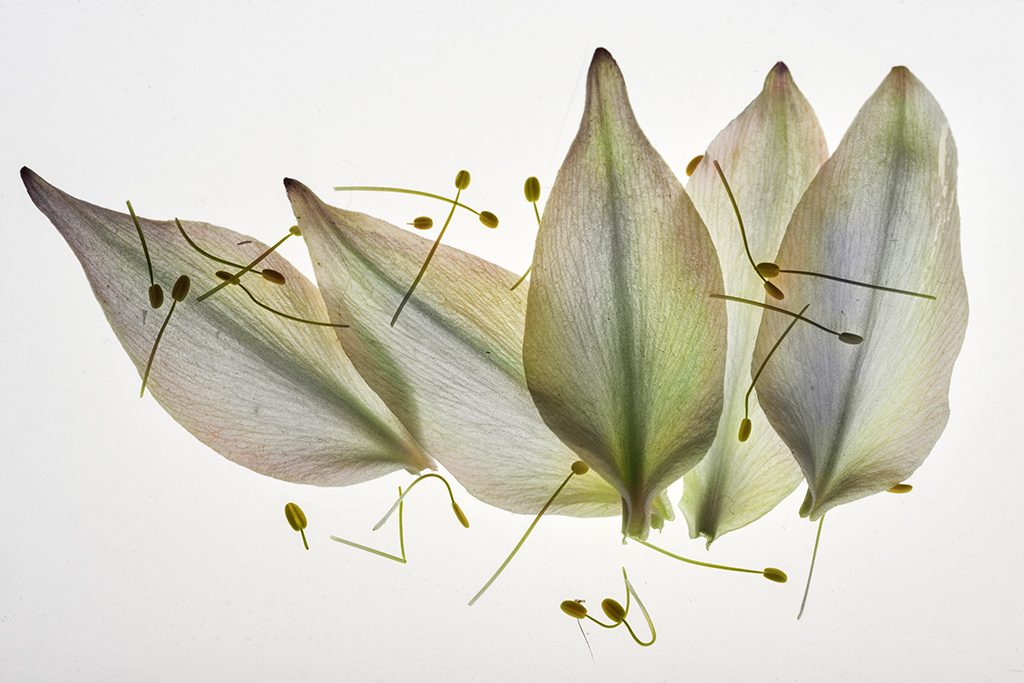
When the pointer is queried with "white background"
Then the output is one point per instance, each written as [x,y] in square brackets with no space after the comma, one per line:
[128,551]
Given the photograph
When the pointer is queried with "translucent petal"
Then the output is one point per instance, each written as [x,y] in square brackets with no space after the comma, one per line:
[451,368]
[883,209]
[769,154]
[624,347]
[276,396]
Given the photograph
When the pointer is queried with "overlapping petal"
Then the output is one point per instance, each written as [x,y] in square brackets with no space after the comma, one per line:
[451,368]
[624,348]
[769,154]
[276,396]
[883,209]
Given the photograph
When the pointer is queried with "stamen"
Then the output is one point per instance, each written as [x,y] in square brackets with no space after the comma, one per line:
[491,221]
[455,506]
[268,274]
[532,191]
[900,488]
[745,424]
[578,468]
[770,573]
[845,337]
[297,520]
[178,293]
[772,290]
[245,269]
[692,166]
[462,179]
[156,293]
[615,612]
[233,280]
[810,573]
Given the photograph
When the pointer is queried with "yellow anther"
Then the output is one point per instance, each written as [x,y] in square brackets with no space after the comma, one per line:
[745,429]
[460,514]
[296,520]
[226,276]
[488,219]
[532,189]
[850,338]
[295,231]
[273,276]
[422,223]
[613,610]
[462,180]
[692,166]
[580,467]
[776,575]
[156,296]
[774,291]
[901,488]
[574,609]
[768,269]
[181,287]
[295,516]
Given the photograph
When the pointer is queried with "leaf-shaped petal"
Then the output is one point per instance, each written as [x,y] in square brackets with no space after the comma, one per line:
[624,347]
[451,368]
[882,210]
[769,154]
[276,396]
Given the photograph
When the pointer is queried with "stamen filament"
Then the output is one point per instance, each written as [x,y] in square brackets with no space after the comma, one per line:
[178,293]
[536,519]
[856,283]
[739,218]
[361,188]
[845,337]
[381,553]
[810,573]
[221,274]
[745,425]
[142,238]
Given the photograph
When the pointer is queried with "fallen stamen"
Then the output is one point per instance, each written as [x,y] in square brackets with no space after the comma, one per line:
[845,337]
[532,191]
[178,293]
[156,292]
[297,520]
[233,280]
[745,425]
[578,468]
[770,573]
[772,290]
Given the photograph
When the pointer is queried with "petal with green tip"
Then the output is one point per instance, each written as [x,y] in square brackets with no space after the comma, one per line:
[276,396]
[624,348]
[769,154]
[883,210]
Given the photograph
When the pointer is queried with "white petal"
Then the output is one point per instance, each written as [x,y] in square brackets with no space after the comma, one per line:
[769,154]
[883,209]
[624,347]
[276,396]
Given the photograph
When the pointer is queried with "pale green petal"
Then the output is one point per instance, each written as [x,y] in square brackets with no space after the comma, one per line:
[624,347]
[276,396]
[451,368]
[769,154]
[883,209]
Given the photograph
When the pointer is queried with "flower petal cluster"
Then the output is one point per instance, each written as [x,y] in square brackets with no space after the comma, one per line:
[617,353]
